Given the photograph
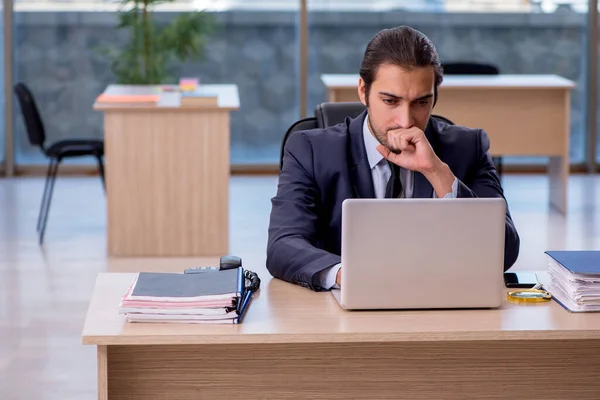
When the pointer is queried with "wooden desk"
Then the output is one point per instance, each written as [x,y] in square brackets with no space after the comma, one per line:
[295,343]
[524,115]
[167,174]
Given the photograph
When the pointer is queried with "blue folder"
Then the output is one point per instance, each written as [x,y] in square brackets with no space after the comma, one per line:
[582,262]
[578,262]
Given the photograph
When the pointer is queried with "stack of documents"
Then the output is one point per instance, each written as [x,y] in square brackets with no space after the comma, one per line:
[575,279]
[206,297]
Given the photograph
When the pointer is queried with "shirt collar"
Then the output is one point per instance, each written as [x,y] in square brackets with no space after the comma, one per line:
[371,145]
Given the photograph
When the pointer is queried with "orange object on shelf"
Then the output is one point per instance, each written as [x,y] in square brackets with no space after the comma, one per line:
[145,99]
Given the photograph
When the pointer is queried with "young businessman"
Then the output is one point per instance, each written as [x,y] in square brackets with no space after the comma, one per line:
[393,149]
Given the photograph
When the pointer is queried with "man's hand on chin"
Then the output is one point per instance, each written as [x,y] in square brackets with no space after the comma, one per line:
[412,151]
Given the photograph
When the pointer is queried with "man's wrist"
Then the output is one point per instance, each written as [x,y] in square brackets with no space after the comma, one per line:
[328,277]
[441,178]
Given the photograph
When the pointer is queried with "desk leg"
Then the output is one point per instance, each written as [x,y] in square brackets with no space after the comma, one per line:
[332,96]
[558,173]
[102,373]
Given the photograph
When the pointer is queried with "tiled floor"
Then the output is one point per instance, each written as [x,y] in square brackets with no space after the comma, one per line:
[44,291]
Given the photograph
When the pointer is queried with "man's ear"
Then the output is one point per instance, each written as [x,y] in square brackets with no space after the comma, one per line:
[362,94]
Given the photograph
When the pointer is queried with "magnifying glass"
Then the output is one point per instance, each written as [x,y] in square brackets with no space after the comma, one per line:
[534,295]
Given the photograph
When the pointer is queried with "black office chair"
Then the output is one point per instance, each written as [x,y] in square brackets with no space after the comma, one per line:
[56,152]
[304,124]
[474,68]
[329,114]
[469,68]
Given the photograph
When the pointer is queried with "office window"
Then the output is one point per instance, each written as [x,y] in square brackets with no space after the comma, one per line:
[2,101]
[55,55]
[255,48]
[517,36]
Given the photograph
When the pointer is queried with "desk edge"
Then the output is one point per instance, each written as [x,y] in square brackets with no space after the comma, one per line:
[220,339]
[97,107]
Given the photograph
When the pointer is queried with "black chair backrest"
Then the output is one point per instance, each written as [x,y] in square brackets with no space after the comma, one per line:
[326,114]
[469,68]
[300,125]
[329,114]
[31,115]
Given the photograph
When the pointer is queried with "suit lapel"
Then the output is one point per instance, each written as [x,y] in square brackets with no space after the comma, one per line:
[422,188]
[360,172]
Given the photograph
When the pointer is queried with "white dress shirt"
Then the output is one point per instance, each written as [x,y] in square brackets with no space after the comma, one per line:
[381,172]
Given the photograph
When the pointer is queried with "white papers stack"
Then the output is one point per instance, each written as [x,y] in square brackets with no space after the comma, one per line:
[575,279]
[206,297]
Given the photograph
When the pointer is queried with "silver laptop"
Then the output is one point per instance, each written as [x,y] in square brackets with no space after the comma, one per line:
[422,253]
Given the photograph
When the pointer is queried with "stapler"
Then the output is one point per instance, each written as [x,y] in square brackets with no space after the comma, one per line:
[229,262]
[225,263]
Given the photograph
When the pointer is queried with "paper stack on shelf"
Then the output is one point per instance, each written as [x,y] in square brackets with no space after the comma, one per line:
[206,297]
[199,98]
[575,279]
[128,99]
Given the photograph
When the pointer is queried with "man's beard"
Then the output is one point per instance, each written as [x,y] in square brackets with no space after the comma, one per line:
[381,137]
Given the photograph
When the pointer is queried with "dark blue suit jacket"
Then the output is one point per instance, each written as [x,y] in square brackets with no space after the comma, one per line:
[323,167]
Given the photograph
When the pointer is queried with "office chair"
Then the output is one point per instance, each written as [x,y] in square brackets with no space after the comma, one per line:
[474,68]
[469,68]
[326,114]
[304,124]
[329,114]
[56,152]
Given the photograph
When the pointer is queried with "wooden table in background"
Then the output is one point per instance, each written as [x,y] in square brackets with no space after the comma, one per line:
[295,343]
[524,115]
[167,174]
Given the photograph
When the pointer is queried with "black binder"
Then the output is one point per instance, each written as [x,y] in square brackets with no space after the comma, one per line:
[200,295]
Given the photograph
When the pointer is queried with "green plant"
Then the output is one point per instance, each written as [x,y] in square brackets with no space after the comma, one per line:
[152,47]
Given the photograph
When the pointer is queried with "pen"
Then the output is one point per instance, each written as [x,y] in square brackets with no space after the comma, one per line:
[244,304]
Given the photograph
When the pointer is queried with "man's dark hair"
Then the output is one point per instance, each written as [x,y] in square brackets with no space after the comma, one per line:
[402,46]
